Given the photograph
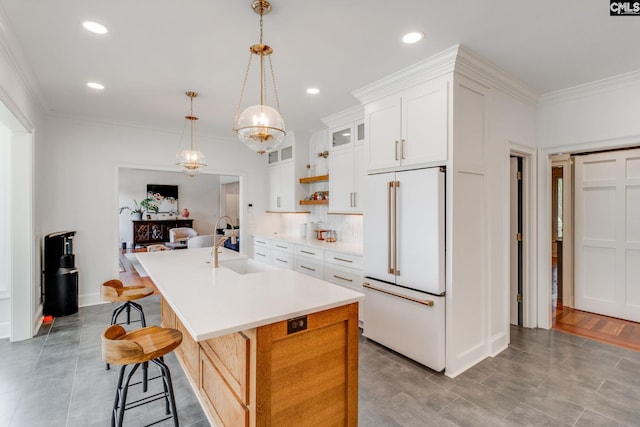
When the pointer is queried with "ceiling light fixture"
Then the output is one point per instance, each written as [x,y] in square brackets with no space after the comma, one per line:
[412,37]
[94,85]
[313,91]
[260,127]
[191,161]
[94,27]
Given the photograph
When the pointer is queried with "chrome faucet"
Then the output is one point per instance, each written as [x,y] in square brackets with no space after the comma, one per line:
[222,239]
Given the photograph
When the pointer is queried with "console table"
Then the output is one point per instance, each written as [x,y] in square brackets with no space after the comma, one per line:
[156,231]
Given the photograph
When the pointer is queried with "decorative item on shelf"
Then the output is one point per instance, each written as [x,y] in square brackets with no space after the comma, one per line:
[330,236]
[147,204]
[191,160]
[308,170]
[324,154]
[260,127]
[185,213]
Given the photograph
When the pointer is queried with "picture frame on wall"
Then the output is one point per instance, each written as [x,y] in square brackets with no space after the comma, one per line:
[165,196]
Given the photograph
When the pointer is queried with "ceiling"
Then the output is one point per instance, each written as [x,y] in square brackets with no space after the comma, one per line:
[158,49]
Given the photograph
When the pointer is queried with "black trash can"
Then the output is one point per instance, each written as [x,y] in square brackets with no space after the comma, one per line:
[60,275]
[66,289]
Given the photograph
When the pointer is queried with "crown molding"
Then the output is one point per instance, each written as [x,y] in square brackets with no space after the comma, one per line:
[10,49]
[592,88]
[352,114]
[459,59]
[428,69]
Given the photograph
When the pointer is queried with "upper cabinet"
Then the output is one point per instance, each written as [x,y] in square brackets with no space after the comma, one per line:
[408,128]
[285,164]
[346,160]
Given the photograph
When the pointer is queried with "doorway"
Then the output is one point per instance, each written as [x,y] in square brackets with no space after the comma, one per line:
[515,238]
[18,283]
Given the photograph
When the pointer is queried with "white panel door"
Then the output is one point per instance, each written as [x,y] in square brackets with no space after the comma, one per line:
[383,124]
[420,230]
[424,123]
[607,244]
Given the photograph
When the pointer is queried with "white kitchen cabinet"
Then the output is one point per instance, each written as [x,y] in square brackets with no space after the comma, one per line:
[346,163]
[285,164]
[345,270]
[309,260]
[408,128]
[261,249]
[282,254]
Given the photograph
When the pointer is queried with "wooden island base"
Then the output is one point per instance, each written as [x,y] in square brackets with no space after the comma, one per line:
[268,377]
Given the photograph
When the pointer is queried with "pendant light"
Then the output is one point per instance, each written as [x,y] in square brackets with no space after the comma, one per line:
[191,161]
[260,127]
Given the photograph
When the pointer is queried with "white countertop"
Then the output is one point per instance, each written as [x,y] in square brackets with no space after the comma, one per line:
[212,302]
[352,248]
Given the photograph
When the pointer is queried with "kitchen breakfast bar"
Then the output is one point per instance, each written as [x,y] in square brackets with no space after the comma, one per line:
[261,347]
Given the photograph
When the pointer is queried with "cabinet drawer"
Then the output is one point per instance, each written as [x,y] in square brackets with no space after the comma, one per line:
[262,254]
[278,245]
[309,267]
[348,277]
[343,259]
[260,241]
[230,356]
[309,252]
[219,399]
[282,260]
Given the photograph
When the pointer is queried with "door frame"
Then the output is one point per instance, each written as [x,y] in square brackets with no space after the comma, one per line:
[566,162]
[530,238]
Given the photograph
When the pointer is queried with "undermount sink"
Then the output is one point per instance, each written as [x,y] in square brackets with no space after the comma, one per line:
[246,266]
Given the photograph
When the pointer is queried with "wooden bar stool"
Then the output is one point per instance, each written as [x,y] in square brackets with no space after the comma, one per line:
[143,345]
[115,291]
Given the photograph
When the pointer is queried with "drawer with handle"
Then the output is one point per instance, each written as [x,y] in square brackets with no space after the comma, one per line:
[348,277]
[309,252]
[262,254]
[282,260]
[343,259]
[261,241]
[278,245]
[309,267]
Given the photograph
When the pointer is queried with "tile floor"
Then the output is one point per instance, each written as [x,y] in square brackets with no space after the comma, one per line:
[545,378]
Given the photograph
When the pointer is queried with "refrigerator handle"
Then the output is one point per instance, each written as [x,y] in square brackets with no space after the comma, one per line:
[396,271]
[389,234]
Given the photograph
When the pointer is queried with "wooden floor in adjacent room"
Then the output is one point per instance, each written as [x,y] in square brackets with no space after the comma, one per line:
[622,333]
[129,276]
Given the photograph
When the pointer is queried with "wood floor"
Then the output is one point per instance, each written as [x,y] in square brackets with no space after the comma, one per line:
[128,275]
[610,330]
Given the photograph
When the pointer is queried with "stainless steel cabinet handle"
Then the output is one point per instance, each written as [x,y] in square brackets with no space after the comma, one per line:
[342,259]
[426,302]
[260,241]
[343,278]
[402,144]
[282,247]
[258,253]
[278,201]
[396,151]
[308,253]
[307,268]
[282,260]
[355,201]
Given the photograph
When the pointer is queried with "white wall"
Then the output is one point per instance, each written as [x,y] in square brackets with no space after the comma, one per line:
[200,194]
[596,116]
[25,117]
[80,186]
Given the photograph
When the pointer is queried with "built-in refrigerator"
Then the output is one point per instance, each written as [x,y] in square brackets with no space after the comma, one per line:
[404,263]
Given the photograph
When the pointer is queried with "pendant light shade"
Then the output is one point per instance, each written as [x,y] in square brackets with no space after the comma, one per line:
[260,126]
[190,160]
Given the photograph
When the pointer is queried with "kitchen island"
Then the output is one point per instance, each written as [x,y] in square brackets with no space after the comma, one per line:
[260,346]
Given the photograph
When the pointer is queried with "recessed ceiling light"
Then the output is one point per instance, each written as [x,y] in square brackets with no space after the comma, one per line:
[412,37]
[94,85]
[94,27]
[313,91]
